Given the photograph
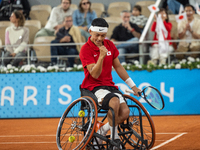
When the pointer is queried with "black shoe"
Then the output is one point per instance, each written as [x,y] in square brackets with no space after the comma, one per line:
[120,145]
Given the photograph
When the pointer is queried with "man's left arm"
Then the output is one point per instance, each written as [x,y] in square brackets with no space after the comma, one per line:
[195,35]
[135,30]
[124,75]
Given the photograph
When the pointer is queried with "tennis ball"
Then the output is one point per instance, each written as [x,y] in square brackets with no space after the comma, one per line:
[71,139]
[81,113]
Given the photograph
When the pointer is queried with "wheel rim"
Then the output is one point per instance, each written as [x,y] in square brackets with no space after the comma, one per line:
[134,123]
[72,125]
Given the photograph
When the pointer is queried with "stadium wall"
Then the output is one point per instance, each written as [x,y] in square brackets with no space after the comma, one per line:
[29,95]
[54,3]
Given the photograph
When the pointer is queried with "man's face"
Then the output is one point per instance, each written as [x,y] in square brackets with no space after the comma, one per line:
[97,37]
[65,4]
[68,22]
[189,11]
[135,12]
[125,17]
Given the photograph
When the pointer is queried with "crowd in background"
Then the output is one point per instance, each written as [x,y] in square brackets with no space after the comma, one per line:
[68,25]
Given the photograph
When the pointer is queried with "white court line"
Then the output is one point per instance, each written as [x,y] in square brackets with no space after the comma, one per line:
[4,136]
[172,133]
[170,140]
[18,136]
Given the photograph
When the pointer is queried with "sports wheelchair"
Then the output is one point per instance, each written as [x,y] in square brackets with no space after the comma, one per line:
[137,132]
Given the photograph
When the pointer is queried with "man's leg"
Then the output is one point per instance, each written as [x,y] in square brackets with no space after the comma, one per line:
[128,43]
[122,58]
[54,51]
[173,5]
[195,49]
[123,113]
[71,51]
[115,105]
[181,49]
[44,32]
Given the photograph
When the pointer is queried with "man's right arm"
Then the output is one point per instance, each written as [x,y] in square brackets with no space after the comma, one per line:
[181,30]
[53,19]
[182,34]
[60,36]
[96,69]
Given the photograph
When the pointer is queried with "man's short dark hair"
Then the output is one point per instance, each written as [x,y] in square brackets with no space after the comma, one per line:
[138,7]
[68,0]
[188,5]
[100,22]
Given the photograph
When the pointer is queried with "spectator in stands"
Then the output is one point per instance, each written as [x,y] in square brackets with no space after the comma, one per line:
[56,19]
[174,5]
[66,34]
[126,31]
[83,17]
[8,6]
[189,30]
[16,35]
[137,17]
[155,51]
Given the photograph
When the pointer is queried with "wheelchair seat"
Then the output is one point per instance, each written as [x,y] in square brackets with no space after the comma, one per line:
[86,92]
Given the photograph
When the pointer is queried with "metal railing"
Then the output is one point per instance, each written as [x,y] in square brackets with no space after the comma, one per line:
[140,54]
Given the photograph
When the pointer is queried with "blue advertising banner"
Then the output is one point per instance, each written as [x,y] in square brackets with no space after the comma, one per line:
[31,95]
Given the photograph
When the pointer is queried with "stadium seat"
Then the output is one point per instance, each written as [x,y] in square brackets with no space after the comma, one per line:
[113,22]
[144,5]
[171,17]
[174,31]
[98,8]
[115,8]
[145,11]
[34,26]
[3,26]
[74,6]
[43,50]
[41,13]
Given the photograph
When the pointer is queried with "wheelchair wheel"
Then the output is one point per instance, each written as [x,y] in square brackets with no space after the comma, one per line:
[76,128]
[133,123]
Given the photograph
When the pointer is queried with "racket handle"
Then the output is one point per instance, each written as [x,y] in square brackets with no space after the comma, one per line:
[129,91]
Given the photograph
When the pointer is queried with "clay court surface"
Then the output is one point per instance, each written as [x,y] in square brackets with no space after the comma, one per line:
[172,133]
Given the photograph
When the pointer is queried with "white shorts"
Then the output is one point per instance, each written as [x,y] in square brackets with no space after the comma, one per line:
[101,93]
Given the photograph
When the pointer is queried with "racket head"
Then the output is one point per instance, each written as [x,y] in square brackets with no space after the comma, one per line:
[153,97]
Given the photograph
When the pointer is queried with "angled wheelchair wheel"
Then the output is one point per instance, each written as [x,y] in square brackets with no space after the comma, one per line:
[139,131]
[77,124]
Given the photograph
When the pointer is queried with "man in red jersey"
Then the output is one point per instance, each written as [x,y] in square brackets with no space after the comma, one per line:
[98,56]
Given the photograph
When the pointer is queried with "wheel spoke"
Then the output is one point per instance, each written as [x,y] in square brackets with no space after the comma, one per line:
[73,125]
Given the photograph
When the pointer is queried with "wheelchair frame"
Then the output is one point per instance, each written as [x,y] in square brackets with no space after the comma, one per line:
[126,132]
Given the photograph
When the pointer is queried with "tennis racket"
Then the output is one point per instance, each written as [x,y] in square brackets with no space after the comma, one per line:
[152,96]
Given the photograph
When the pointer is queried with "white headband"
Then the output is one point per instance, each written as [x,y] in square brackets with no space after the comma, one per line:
[98,29]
